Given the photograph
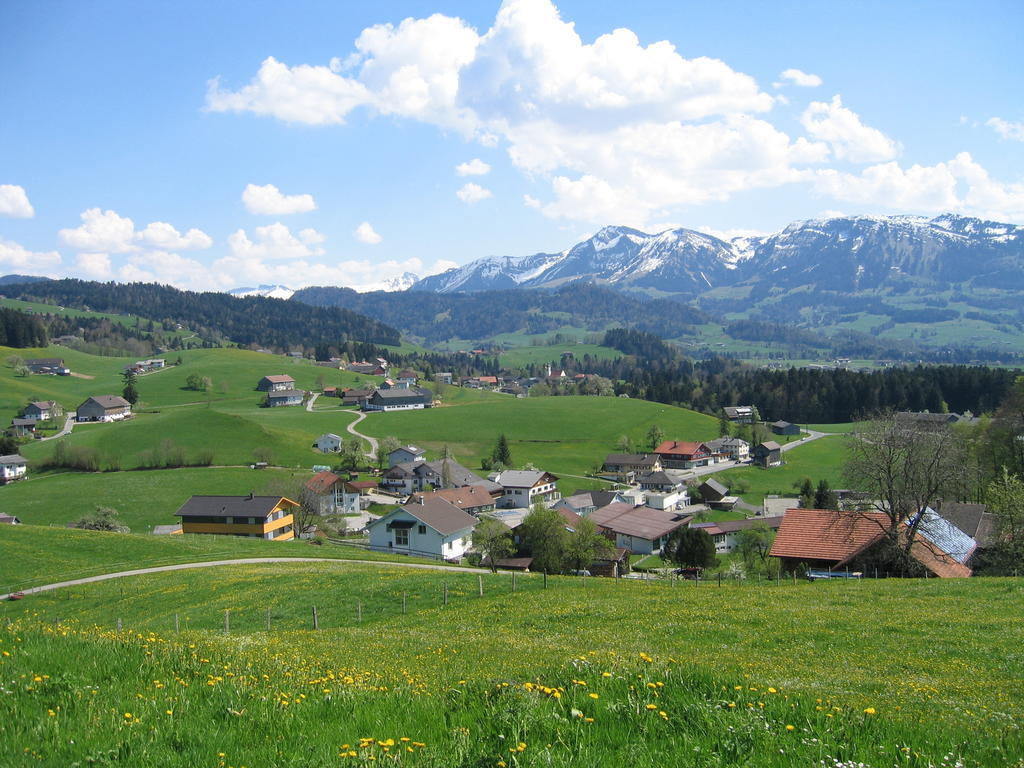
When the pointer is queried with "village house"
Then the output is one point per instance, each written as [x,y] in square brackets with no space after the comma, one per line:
[443,377]
[664,481]
[399,399]
[831,540]
[683,455]
[276,383]
[585,502]
[23,427]
[785,428]
[411,476]
[725,534]
[53,366]
[406,378]
[332,494]
[12,467]
[729,448]
[642,530]
[405,453]
[9,519]
[254,517]
[626,466]
[430,527]
[284,397]
[357,397]
[767,454]
[104,408]
[525,487]
[474,499]
[328,443]
[41,410]
[740,414]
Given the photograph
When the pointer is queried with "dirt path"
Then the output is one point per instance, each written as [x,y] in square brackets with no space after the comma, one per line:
[240,561]
[312,399]
[69,423]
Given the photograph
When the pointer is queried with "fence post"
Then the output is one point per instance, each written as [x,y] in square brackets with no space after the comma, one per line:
[403,603]
[119,625]
[513,581]
[176,627]
[545,579]
[719,578]
[359,611]
[227,621]
[480,584]
[446,593]
[316,620]
[268,619]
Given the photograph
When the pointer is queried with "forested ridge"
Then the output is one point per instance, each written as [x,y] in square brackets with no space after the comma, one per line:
[215,316]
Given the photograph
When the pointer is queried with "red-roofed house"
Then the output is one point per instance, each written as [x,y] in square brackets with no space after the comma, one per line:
[676,454]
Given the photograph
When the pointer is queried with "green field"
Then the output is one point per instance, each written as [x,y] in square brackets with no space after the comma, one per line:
[587,672]
[819,460]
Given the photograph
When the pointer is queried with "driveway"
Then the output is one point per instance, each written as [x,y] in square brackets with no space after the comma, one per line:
[65,430]
[372,453]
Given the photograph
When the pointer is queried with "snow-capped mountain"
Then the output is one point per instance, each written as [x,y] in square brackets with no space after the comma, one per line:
[267,291]
[401,283]
[845,254]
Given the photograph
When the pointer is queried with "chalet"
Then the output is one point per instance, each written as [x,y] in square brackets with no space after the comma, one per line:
[399,399]
[23,427]
[255,517]
[585,502]
[474,499]
[524,488]
[104,408]
[829,540]
[328,443]
[411,476]
[358,397]
[53,366]
[407,378]
[12,468]
[767,454]
[740,414]
[642,530]
[424,528]
[729,448]
[627,466]
[332,494]
[41,410]
[276,383]
[405,453]
[785,428]
[683,455]
[284,397]
[725,534]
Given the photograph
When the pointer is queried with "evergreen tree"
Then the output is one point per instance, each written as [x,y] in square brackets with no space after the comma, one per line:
[655,436]
[130,393]
[690,548]
[502,455]
[825,497]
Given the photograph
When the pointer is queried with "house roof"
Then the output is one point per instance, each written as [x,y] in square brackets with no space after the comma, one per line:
[733,411]
[362,485]
[442,516]
[819,534]
[944,536]
[642,522]
[466,497]
[715,486]
[278,378]
[722,443]
[232,506]
[635,459]
[9,519]
[678,448]
[43,405]
[731,526]
[397,396]
[973,519]
[108,401]
[322,482]
[409,449]
[522,478]
[12,459]
[51,362]
[329,435]
[407,374]
[769,445]
[590,499]
[782,424]
[24,422]
[658,478]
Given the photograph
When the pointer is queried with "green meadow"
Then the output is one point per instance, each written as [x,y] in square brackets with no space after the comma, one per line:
[586,672]
[820,459]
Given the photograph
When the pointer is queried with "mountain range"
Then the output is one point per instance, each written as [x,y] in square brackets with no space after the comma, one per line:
[844,254]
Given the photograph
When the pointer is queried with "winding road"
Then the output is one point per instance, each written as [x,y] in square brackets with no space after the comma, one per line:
[372,453]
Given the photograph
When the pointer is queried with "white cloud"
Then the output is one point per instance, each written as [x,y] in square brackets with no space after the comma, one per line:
[802,79]
[14,202]
[960,185]
[1006,129]
[17,258]
[730,234]
[472,193]
[108,232]
[365,234]
[531,202]
[275,241]
[849,138]
[95,266]
[269,201]
[475,167]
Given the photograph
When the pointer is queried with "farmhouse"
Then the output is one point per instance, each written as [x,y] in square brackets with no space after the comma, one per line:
[430,527]
[276,383]
[740,414]
[9,519]
[255,517]
[767,454]
[725,534]
[474,499]
[524,488]
[661,482]
[53,366]
[284,397]
[358,397]
[627,466]
[729,448]
[682,455]
[104,408]
[640,529]
[837,540]
[23,427]
[41,410]
[404,454]
[12,468]
[333,496]
[399,399]
[585,502]
[328,443]
[785,428]
[411,476]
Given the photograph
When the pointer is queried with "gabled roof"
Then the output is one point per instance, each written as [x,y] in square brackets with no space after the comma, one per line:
[678,448]
[945,536]
[466,497]
[731,526]
[769,445]
[522,478]
[322,482]
[658,478]
[232,506]
[12,459]
[43,405]
[443,517]
[108,401]
[585,499]
[782,424]
[642,522]
[409,449]
[634,459]
[285,393]
[329,435]
[973,519]
[715,486]
[822,534]
[722,443]
[460,476]
[278,378]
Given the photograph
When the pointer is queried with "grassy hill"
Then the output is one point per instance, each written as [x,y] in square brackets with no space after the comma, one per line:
[587,672]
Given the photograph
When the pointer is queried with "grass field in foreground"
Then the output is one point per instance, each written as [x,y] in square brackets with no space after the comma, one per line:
[31,556]
[588,672]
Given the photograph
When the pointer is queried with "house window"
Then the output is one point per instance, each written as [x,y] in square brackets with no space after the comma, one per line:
[401,537]
[421,529]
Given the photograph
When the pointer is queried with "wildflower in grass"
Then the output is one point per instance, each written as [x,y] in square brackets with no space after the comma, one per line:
[790,727]
[594,695]
[869,711]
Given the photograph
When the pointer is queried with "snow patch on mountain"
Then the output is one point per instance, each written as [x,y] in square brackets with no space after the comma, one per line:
[267,291]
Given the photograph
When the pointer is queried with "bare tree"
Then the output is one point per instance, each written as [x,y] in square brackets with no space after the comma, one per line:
[904,463]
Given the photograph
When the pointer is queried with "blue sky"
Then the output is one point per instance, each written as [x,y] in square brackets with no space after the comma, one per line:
[215,145]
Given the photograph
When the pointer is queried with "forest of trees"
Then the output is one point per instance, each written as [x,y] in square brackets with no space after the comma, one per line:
[250,320]
[20,329]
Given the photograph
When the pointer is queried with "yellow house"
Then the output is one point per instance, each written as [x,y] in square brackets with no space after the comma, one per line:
[256,517]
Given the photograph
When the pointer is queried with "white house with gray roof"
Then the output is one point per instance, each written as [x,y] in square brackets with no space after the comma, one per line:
[104,408]
[425,527]
[526,487]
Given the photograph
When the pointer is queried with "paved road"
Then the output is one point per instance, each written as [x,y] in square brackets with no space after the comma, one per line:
[241,561]
[312,399]
[66,430]
[372,453]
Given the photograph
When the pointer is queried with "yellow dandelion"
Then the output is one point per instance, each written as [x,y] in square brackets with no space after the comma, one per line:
[869,711]
[790,727]
[594,695]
